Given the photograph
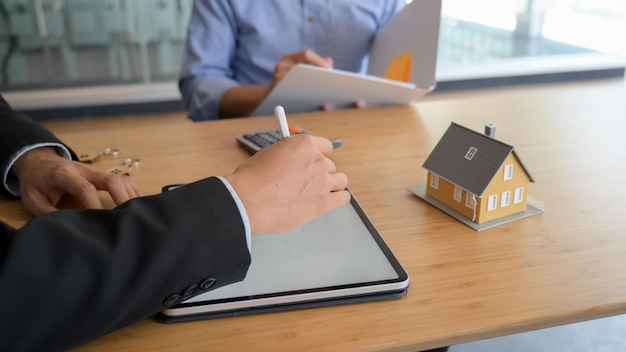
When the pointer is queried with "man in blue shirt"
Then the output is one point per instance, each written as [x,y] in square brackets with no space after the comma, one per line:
[237,51]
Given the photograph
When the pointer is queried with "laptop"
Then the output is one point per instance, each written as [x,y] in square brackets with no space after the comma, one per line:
[401,68]
[338,258]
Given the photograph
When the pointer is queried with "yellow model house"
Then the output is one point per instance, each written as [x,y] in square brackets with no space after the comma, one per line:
[476,175]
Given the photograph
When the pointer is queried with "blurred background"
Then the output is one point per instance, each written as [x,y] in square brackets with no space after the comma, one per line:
[67,54]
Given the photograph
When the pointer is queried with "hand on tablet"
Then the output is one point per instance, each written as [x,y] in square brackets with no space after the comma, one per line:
[289,184]
[307,56]
[243,100]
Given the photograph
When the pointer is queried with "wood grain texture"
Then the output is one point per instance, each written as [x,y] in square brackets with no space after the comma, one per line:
[563,266]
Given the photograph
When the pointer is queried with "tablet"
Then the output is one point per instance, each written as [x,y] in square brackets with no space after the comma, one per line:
[338,258]
[409,41]
[307,88]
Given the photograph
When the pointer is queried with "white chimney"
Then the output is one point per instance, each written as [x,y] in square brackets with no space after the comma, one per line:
[490,130]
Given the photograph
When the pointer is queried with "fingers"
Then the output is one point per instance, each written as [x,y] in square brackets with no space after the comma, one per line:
[298,141]
[360,104]
[37,203]
[330,166]
[120,187]
[333,193]
[325,146]
[84,182]
[307,56]
[45,177]
[331,182]
[328,107]
[85,191]
[338,199]
[120,190]
[339,182]
[281,69]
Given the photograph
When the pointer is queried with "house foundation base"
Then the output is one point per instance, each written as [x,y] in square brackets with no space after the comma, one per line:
[531,209]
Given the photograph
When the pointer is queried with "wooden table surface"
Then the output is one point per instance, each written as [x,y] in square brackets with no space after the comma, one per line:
[563,266]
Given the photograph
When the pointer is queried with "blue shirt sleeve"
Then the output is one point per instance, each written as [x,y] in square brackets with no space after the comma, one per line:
[239,42]
[206,73]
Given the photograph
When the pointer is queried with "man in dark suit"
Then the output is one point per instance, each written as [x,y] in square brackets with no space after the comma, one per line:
[69,276]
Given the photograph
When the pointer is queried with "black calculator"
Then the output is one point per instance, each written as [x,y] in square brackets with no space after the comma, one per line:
[254,142]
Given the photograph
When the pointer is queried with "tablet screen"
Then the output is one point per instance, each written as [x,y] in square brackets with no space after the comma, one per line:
[338,254]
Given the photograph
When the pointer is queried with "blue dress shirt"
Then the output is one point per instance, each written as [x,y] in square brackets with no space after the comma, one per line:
[240,41]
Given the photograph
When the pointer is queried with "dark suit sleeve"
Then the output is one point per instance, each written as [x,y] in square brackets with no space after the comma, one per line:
[18,131]
[72,275]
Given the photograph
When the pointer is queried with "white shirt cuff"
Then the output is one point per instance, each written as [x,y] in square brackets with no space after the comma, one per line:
[242,211]
[11,183]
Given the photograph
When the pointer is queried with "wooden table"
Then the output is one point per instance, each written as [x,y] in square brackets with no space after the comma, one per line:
[563,266]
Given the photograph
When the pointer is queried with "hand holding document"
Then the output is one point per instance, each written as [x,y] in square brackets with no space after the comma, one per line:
[401,69]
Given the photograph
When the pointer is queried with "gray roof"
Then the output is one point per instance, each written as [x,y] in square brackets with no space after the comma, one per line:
[448,158]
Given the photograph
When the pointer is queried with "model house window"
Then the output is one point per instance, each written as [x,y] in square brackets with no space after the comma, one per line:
[470,201]
[519,195]
[458,194]
[492,203]
[506,199]
[434,181]
[470,153]
[508,172]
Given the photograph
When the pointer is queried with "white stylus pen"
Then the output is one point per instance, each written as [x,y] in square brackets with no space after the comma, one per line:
[283,127]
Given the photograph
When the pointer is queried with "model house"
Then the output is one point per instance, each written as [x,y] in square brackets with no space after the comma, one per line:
[476,175]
